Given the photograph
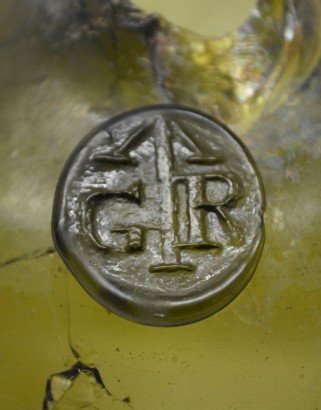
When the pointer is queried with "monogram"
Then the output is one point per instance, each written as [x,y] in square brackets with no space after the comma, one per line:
[183,200]
[159,215]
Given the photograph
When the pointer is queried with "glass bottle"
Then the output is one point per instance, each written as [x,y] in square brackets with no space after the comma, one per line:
[65,67]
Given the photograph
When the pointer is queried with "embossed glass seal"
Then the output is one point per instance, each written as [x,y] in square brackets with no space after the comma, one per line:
[158,213]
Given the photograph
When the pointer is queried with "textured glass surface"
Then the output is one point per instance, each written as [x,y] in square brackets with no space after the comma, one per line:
[65,67]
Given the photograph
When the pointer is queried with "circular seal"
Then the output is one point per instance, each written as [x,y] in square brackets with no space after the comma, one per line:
[159,215]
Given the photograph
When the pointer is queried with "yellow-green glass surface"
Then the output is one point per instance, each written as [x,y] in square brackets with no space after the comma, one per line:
[62,76]
[205,17]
